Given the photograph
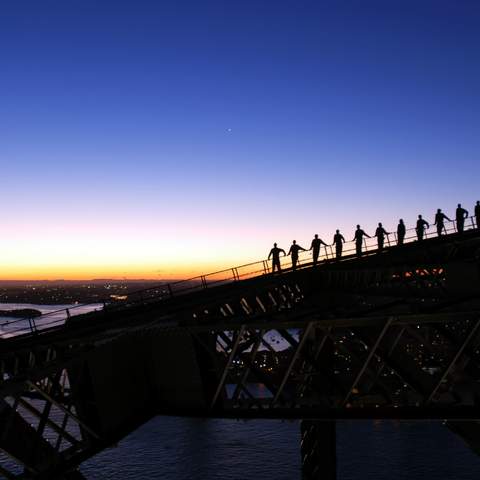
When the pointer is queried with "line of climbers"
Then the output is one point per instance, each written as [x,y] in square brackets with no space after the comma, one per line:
[338,240]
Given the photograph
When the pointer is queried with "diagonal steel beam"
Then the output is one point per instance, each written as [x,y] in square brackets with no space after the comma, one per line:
[212,354]
[262,377]
[408,376]
[309,358]
[369,371]
[369,357]
[292,363]
[387,356]
[247,370]
[48,422]
[62,408]
[312,366]
[227,366]
[450,337]
[63,428]
[467,340]
[44,416]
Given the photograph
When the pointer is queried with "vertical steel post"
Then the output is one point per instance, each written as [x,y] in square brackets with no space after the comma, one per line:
[265,267]
[318,439]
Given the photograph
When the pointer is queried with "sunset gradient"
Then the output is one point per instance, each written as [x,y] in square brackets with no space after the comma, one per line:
[160,140]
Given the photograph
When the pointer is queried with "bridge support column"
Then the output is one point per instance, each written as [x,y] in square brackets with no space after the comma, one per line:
[318,450]
[73,475]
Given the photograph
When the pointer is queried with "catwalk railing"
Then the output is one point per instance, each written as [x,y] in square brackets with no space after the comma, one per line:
[44,322]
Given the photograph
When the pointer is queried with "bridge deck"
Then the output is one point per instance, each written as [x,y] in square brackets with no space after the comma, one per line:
[394,334]
[196,293]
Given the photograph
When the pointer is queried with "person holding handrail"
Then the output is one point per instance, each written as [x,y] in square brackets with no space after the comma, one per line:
[401,230]
[338,241]
[380,233]
[461,214]
[315,246]
[422,225]
[359,234]
[294,249]
[477,213]
[275,254]
[440,218]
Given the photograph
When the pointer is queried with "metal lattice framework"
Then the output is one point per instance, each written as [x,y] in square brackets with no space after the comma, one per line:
[338,369]
[395,335]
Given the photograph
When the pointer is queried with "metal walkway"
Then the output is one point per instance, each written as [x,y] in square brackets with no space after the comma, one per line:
[161,292]
[394,334]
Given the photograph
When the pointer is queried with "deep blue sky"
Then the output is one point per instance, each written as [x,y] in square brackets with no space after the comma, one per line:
[207,130]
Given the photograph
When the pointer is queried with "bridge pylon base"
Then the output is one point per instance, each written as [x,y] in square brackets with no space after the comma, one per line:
[318,450]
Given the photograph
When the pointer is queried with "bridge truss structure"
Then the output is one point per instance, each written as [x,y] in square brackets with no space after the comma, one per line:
[391,334]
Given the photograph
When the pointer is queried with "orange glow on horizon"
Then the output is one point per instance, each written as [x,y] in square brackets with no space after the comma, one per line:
[137,253]
[119,272]
[176,270]
[132,258]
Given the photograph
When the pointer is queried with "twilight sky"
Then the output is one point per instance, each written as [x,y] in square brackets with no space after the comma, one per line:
[158,139]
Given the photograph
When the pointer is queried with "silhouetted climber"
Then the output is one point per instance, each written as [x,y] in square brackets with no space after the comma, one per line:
[421,226]
[380,233]
[440,218]
[359,234]
[401,230]
[338,240]
[275,254]
[477,213]
[461,214]
[294,249]
[315,246]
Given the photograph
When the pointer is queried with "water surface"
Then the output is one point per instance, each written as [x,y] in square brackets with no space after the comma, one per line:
[182,449]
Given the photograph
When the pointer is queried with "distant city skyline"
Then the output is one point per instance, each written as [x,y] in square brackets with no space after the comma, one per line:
[161,140]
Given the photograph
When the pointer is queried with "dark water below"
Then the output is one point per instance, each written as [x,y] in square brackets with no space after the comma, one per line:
[182,449]
[170,448]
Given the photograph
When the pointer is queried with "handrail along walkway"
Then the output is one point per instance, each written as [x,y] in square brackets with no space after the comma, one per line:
[229,275]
